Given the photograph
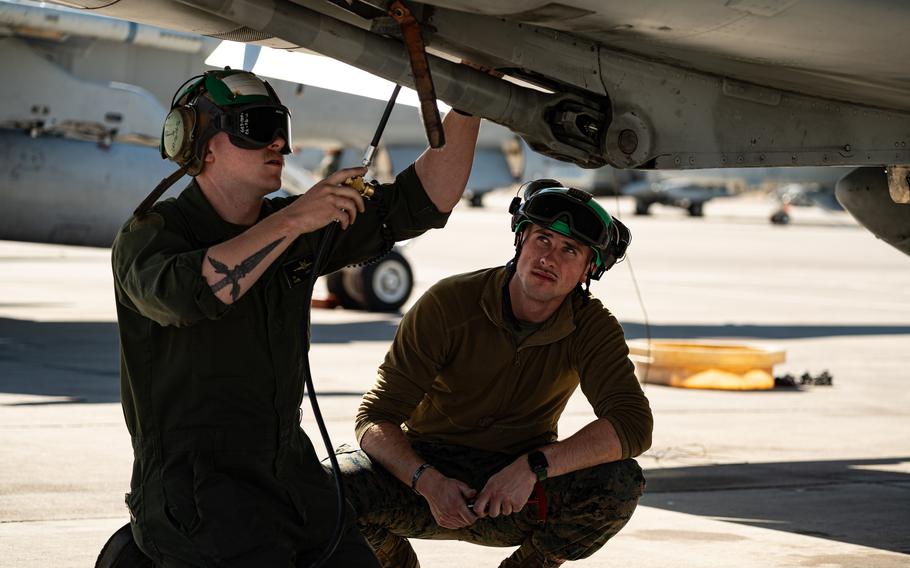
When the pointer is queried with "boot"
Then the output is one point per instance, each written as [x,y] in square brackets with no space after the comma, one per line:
[121,551]
[396,552]
[529,557]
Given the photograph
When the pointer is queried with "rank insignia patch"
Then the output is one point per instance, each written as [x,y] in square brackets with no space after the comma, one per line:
[297,270]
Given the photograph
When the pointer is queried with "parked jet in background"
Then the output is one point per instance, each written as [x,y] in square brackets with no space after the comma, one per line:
[691,189]
[687,193]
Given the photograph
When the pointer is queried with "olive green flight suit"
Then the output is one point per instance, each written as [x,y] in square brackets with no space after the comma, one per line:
[223,474]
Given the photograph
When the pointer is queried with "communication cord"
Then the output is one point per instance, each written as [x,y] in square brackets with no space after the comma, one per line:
[324,244]
[328,237]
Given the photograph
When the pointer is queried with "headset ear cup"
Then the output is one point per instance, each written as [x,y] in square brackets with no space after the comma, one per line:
[179,134]
[514,205]
[608,263]
[620,238]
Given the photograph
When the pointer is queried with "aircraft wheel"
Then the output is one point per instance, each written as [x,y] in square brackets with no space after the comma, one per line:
[780,218]
[381,287]
[696,210]
[121,551]
[335,282]
[387,285]
[477,200]
[642,208]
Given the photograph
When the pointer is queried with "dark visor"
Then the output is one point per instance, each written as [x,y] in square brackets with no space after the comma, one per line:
[257,127]
[584,223]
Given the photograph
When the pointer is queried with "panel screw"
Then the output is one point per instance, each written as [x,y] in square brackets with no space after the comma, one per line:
[628,141]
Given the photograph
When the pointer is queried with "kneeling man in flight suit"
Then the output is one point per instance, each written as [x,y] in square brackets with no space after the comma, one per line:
[460,429]
[213,306]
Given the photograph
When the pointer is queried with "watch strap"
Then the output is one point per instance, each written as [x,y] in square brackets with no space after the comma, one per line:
[539,464]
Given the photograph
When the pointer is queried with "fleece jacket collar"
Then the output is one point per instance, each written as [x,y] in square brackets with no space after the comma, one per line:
[556,327]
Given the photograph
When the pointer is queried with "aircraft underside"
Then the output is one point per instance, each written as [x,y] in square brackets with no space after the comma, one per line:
[671,85]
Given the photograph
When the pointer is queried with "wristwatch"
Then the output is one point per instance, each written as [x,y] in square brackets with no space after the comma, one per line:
[539,464]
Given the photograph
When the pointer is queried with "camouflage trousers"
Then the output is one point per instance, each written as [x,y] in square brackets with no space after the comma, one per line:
[585,508]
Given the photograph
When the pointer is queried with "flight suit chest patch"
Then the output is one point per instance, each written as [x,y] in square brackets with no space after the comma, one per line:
[297,270]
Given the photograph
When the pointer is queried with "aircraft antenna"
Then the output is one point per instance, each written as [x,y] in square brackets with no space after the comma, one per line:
[641,301]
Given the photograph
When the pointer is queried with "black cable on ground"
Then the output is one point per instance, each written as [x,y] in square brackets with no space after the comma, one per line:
[823,379]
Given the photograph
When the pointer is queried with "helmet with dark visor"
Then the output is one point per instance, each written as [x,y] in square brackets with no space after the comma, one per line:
[254,126]
[238,103]
[246,108]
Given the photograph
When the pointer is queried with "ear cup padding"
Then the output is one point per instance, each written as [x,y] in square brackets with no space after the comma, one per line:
[179,134]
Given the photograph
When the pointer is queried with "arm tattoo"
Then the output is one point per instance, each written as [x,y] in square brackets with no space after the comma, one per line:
[233,276]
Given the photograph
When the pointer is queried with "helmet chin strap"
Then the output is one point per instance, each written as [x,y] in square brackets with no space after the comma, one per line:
[519,242]
[586,292]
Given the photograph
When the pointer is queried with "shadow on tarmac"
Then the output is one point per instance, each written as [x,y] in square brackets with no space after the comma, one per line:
[380,330]
[75,360]
[854,501]
[79,361]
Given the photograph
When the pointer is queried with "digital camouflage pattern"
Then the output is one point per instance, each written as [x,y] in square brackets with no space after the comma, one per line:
[585,508]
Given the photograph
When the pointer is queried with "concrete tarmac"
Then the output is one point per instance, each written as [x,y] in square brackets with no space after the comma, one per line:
[817,476]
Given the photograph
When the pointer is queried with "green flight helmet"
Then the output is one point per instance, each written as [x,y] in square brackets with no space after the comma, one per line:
[575,214]
[224,100]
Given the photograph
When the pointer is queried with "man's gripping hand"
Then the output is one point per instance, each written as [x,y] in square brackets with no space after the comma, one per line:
[326,202]
[448,499]
[507,491]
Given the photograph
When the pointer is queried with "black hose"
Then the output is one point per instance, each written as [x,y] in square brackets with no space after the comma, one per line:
[324,244]
[328,237]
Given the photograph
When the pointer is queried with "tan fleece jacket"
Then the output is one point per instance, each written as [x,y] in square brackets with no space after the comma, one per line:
[455,375]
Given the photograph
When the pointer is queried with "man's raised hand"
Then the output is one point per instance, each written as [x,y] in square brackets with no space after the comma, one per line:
[328,201]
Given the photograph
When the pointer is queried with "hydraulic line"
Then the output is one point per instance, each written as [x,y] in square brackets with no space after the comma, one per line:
[328,237]
[324,244]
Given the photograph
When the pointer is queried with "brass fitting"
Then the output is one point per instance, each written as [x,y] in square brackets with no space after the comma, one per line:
[363,188]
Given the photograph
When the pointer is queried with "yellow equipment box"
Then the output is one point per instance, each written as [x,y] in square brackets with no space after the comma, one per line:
[704,365]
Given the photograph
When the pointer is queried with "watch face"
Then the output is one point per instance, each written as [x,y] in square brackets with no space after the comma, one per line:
[538,461]
[174,133]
